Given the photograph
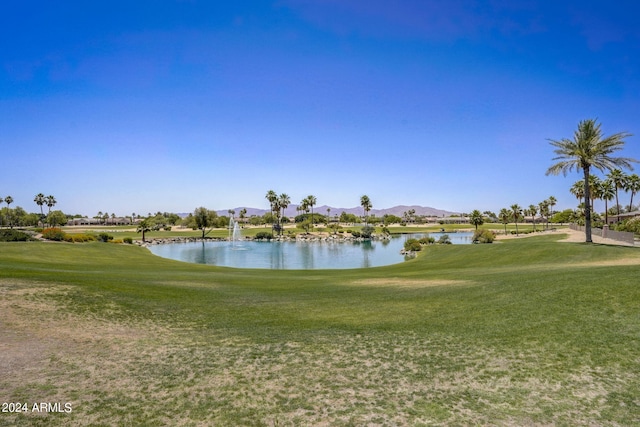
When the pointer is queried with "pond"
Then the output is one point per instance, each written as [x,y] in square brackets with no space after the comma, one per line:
[296,255]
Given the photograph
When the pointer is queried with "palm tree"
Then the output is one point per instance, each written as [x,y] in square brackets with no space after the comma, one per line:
[504,217]
[8,200]
[577,189]
[365,202]
[633,185]
[588,149]
[40,201]
[607,193]
[551,201]
[311,201]
[544,211]
[619,181]
[516,212]
[476,218]
[283,202]
[148,224]
[594,188]
[533,210]
[51,202]
[272,197]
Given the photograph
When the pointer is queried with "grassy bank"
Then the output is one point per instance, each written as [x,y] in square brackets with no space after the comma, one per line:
[528,331]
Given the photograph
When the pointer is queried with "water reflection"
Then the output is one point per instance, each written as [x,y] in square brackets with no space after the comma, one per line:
[296,255]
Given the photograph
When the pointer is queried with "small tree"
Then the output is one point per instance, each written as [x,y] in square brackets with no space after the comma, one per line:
[56,218]
[204,218]
[476,218]
[144,226]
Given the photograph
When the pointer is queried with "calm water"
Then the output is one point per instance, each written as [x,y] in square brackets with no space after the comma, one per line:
[295,255]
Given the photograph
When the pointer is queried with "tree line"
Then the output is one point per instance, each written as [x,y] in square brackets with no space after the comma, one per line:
[20,218]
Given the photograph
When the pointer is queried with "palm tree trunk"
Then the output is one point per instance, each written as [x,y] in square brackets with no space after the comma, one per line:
[587,206]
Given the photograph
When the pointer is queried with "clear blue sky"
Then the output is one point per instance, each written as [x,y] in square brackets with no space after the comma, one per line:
[145,106]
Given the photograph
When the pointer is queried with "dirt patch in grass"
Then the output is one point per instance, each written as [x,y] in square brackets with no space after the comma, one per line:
[409,283]
[49,354]
[115,373]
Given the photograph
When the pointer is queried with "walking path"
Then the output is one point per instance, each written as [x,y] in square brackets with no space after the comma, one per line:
[573,236]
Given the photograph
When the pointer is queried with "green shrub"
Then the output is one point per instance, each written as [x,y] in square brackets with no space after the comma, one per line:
[128,240]
[444,240]
[412,245]
[80,238]
[104,237]
[55,234]
[427,240]
[14,236]
[264,235]
[367,231]
[355,233]
[483,236]
[631,225]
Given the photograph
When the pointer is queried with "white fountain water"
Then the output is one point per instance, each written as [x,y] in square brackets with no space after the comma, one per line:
[235,235]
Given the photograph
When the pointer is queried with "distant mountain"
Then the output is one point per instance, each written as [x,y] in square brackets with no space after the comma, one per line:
[396,210]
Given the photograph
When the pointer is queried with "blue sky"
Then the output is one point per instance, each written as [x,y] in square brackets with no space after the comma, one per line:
[145,106]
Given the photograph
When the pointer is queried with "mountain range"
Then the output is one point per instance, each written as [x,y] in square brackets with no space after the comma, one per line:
[396,210]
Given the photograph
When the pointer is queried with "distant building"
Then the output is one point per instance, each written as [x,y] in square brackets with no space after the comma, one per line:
[99,221]
[612,219]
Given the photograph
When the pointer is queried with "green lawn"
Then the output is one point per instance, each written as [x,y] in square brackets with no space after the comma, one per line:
[523,332]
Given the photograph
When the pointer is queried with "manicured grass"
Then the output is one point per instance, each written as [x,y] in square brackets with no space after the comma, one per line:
[524,332]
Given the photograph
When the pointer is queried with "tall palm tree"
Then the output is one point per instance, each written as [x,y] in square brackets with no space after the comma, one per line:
[619,181]
[283,202]
[50,201]
[311,202]
[504,217]
[633,185]
[544,211]
[588,149]
[607,193]
[533,210]
[577,189]
[8,200]
[551,201]
[516,213]
[365,202]
[272,197]
[40,201]
[594,187]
